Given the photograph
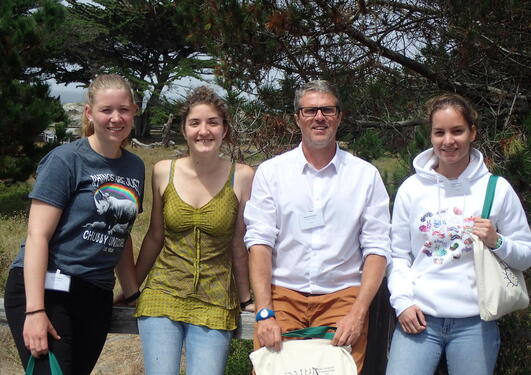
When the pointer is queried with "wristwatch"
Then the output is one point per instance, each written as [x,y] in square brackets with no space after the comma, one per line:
[264,313]
[499,242]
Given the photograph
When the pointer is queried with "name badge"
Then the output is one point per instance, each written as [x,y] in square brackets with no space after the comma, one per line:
[312,219]
[57,281]
[454,188]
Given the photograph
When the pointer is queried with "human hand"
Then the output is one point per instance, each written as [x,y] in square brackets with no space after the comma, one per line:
[485,230]
[35,333]
[250,308]
[349,329]
[119,299]
[269,333]
[412,320]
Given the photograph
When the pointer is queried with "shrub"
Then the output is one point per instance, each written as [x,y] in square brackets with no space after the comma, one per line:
[14,198]
[238,362]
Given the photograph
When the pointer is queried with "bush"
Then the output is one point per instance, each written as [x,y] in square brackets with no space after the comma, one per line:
[14,198]
[238,362]
[369,145]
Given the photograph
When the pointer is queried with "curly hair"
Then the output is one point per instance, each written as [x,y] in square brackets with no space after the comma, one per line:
[454,101]
[102,82]
[205,95]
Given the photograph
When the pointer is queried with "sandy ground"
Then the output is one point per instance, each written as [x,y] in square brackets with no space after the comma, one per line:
[122,355]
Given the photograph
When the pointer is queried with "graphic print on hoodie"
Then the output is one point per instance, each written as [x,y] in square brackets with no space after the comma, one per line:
[447,234]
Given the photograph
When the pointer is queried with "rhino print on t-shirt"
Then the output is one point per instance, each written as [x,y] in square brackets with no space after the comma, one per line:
[118,206]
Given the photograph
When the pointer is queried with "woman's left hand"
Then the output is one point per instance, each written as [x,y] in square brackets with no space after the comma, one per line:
[485,230]
[249,308]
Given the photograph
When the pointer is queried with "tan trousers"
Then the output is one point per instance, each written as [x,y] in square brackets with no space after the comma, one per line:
[294,310]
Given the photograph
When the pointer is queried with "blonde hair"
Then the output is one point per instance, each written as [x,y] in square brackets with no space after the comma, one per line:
[102,82]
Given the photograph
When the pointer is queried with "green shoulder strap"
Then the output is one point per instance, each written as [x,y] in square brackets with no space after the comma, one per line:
[312,332]
[489,197]
[54,365]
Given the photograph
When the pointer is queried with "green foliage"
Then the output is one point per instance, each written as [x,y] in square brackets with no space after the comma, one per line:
[152,43]
[238,362]
[159,114]
[26,29]
[60,132]
[369,145]
[514,357]
[514,159]
[14,198]
[418,141]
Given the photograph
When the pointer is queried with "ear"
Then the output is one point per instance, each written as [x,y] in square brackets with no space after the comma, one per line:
[225,130]
[296,117]
[88,112]
[474,132]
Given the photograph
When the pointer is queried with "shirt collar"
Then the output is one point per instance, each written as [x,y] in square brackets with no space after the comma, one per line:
[302,163]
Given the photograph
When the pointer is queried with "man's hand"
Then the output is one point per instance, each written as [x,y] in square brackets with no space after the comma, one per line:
[412,320]
[349,328]
[269,333]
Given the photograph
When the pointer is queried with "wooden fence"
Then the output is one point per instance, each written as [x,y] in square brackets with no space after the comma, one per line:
[380,329]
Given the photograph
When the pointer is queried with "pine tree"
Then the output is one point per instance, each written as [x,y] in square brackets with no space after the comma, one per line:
[26,107]
[149,42]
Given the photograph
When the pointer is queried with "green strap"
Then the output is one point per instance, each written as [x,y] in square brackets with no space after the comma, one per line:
[54,365]
[312,332]
[489,196]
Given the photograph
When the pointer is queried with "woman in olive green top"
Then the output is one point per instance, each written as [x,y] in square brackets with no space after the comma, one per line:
[194,250]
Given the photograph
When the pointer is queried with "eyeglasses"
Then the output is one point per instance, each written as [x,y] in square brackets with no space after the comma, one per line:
[325,111]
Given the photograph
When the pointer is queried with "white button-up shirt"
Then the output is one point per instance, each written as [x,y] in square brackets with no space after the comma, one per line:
[350,209]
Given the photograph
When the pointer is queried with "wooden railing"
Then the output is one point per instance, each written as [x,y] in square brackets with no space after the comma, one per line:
[380,329]
[124,322]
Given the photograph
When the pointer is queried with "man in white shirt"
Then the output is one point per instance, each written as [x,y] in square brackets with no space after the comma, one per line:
[317,218]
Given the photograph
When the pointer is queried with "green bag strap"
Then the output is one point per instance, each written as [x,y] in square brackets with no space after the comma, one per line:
[489,196]
[312,332]
[54,365]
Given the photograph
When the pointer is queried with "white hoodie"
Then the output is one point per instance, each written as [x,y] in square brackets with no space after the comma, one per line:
[431,247]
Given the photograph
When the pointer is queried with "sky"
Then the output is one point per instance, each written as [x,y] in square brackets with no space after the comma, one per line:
[75,93]
[69,93]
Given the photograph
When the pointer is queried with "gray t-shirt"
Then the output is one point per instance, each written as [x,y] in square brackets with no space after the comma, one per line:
[100,199]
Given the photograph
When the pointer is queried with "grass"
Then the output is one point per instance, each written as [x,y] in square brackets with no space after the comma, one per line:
[12,230]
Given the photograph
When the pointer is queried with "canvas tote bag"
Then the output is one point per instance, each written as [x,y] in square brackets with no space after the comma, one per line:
[309,357]
[501,289]
[55,369]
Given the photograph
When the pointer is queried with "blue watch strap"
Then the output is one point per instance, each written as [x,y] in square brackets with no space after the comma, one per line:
[264,313]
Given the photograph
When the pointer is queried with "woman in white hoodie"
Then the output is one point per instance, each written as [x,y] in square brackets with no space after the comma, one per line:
[432,279]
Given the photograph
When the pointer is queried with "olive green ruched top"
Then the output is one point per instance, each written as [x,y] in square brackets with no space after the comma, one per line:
[192,279]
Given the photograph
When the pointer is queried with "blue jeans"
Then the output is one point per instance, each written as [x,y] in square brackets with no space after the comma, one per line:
[471,346]
[162,342]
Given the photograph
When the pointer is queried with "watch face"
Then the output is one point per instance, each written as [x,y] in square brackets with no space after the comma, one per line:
[264,313]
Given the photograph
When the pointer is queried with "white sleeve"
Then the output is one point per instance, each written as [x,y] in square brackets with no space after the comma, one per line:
[400,274]
[511,223]
[375,228]
[260,213]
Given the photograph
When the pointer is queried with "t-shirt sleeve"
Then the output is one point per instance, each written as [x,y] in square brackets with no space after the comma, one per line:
[55,181]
